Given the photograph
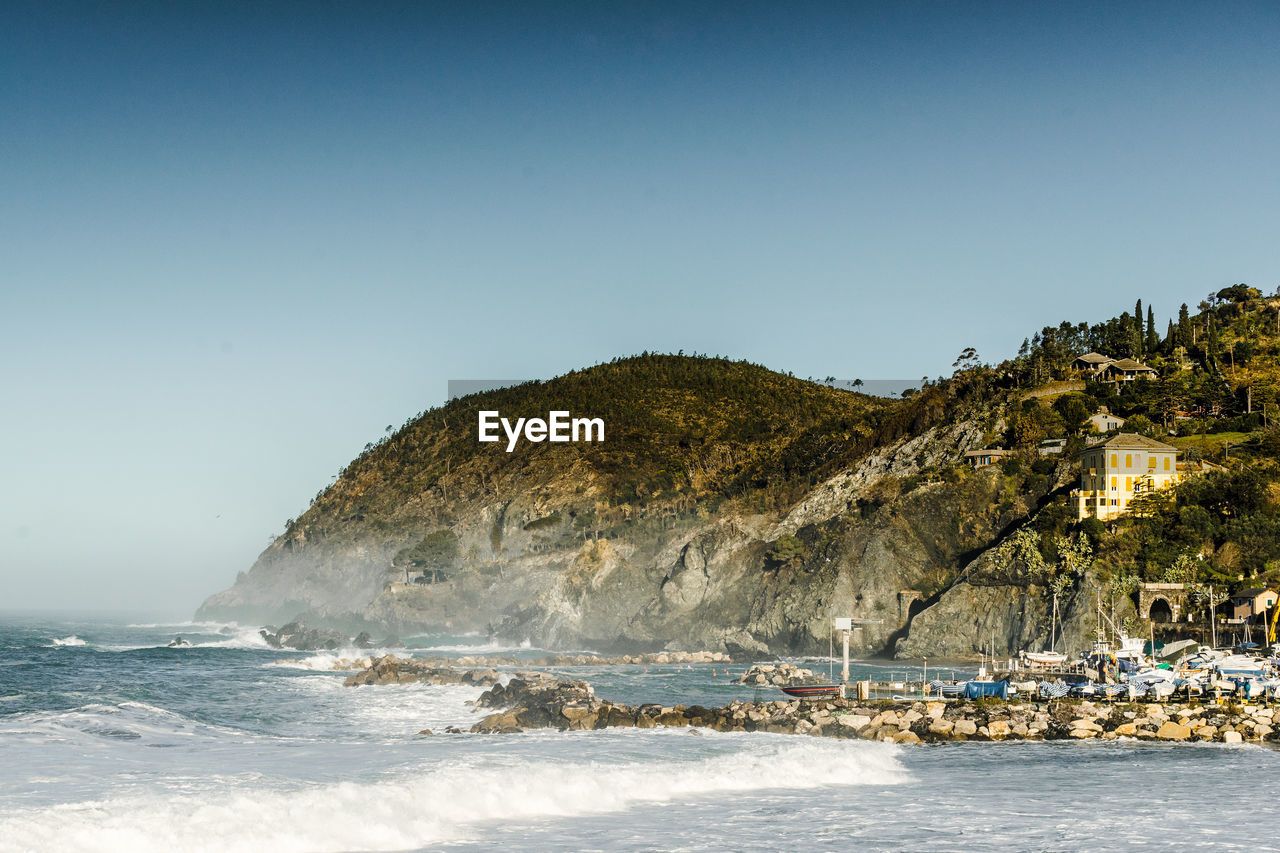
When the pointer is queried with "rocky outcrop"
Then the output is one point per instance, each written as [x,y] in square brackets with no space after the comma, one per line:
[778,675]
[390,669]
[304,638]
[715,584]
[741,531]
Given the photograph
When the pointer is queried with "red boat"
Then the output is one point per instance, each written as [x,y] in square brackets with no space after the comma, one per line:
[813,691]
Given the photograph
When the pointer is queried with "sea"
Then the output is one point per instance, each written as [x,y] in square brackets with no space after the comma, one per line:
[110,740]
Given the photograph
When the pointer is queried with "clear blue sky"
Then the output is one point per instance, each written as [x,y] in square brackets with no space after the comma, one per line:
[238,240]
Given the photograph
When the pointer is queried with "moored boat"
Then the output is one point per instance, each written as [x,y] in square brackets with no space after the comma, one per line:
[812,691]
[1044,659]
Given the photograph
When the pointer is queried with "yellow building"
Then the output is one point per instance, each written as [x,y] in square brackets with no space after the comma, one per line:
[1115,472]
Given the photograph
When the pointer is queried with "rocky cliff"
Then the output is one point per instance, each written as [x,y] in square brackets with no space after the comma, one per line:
[730,508]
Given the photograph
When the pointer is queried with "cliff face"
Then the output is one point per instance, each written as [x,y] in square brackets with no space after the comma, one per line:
[723,529]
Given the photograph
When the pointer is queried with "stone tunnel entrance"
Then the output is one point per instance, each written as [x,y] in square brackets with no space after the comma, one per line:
[1162,602]
[910,602]
[1161,611]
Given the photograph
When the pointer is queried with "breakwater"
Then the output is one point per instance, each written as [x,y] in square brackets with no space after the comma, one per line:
[392,669]
[537,700]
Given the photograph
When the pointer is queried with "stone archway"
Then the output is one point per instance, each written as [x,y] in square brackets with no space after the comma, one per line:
[1171,595]
[910,602]
[1160,610]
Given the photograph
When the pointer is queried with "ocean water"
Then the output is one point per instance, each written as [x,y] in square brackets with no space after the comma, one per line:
[111,741]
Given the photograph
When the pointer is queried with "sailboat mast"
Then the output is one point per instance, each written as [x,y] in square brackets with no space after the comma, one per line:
[1053,625]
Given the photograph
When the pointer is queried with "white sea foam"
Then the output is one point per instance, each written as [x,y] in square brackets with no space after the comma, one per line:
[242,638]
[73,640]
[211,627]
[102,723]
[448,803]
[389,710]
[335,661]
[496,647]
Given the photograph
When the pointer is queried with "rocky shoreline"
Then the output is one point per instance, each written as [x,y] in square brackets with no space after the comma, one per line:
[537,700]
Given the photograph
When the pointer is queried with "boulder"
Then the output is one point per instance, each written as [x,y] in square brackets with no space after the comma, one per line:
[1173,731]
[671,718]
[941,727]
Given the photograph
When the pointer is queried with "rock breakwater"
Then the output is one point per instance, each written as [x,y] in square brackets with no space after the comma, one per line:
[649,659]
[538,700]
[779,675]
[407,666]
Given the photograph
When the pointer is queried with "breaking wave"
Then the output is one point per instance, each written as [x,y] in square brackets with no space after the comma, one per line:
[73,640]
[338,661]
[229,637]
[125,721]
[445,804]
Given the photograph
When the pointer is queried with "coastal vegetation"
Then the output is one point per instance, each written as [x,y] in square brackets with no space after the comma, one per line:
[1214,397]
[729,499]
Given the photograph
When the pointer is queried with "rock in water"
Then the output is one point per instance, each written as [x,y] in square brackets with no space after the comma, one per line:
[300,636]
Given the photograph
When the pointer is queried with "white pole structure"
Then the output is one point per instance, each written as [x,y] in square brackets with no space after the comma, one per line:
[844,670]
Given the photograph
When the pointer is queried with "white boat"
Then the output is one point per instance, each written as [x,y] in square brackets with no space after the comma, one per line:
[1131,648]
[1051,656]
[1044,659]
[1154,683]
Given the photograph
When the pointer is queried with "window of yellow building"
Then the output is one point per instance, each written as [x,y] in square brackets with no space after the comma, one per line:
[1128,484]
[1113,482]
[1166,463]
[1128,460]
[1114,464]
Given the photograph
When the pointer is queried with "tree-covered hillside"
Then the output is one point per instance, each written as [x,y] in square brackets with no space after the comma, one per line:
[683,434]
[1213,396]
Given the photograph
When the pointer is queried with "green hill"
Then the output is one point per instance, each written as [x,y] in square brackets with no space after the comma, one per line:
[731,506]
[684,434]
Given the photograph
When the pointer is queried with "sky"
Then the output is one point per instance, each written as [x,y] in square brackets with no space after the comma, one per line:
[239,240]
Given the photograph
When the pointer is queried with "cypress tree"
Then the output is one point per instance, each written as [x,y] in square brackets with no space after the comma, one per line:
[1153,338]
[1137,327]
[1184,326]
